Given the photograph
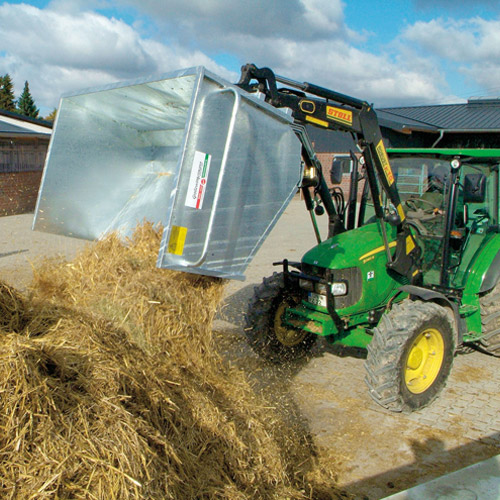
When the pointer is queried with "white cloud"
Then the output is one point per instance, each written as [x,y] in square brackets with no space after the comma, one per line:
[471,45]
[452,5]
[67,46]
[341,67]
[208,20]
[58,52]
[462,40]
[77,6]
[301,39]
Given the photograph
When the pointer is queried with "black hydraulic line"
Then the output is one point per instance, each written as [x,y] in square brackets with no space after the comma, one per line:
[307,198]
[323,92]
[449,224]
[353,194]
[310,208]
[335,96]
[335,221]
[372,182]
[364,201]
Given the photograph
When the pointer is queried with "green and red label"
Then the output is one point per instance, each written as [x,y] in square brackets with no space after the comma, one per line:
[198,180]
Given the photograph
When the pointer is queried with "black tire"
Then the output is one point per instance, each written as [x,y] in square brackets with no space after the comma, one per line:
[265,334]
[410,356]
[490,320]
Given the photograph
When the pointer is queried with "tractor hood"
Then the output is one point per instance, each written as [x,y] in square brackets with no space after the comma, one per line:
[351,248]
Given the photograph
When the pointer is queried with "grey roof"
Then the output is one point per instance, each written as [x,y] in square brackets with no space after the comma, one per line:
[15,125]
[9,128]
[475,115]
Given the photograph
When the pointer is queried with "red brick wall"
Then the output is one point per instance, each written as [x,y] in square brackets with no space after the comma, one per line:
[18,192]
[326,161]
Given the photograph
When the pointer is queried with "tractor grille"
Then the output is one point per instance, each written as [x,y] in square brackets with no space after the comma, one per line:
[354,286]
[352,275]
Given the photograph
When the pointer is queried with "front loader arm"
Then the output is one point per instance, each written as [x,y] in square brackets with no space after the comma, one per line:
[327,109]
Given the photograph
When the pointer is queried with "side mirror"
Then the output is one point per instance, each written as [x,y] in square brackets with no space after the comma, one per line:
[474,188]
[336,171]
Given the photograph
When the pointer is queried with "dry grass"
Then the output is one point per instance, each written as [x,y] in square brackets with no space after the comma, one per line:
[111,388]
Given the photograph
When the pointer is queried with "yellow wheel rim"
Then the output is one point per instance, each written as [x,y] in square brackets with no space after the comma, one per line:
[288,337]
[424,361]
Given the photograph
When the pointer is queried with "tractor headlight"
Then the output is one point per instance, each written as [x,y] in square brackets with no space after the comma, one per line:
[339,289]
[306,285]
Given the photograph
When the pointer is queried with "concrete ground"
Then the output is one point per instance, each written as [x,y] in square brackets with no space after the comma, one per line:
[371,452]
[476,482]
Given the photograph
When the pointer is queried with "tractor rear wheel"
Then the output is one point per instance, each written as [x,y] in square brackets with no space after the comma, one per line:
[490,320]
[265,331]
[410,355]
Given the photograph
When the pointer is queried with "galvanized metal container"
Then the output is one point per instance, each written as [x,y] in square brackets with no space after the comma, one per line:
[215,165]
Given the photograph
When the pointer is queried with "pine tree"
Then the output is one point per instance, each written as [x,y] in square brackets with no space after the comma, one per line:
[7,93]
[26,104]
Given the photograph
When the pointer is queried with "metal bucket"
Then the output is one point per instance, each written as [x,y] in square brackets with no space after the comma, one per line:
[215,165]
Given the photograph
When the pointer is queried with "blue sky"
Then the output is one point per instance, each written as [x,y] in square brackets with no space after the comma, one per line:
[390,52]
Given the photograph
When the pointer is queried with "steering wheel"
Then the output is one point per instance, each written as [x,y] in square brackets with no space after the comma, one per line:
[411,203]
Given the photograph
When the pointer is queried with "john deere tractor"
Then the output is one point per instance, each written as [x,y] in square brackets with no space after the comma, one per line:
[410,272]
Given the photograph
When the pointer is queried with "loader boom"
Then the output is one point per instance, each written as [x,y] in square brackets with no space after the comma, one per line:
[327,109]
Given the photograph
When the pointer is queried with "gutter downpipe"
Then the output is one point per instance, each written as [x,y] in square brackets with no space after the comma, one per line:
[441,133]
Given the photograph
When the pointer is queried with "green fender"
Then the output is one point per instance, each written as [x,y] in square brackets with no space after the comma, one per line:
[492,275]
[483,275]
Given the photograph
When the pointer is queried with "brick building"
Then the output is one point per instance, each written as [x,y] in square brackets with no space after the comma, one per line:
[23,147]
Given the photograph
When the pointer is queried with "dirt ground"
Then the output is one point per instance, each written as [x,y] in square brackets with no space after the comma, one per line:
[372,453]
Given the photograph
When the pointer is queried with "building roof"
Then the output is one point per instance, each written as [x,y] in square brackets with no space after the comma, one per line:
[477,115]
[13,125]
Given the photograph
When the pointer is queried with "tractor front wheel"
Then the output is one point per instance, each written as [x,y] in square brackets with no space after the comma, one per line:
[410,355]
[265,331]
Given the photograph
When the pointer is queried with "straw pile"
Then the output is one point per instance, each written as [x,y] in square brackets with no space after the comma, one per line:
[111,388]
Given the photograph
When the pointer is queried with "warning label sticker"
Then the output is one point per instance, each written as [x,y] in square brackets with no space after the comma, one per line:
[384,160]
[339,115]
[198,180]
[177,240]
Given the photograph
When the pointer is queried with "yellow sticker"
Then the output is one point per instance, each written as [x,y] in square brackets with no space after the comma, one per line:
[384,160]
[177,239]
[410,245]
[401,212]
[321,123]
[339,115]
[392,244]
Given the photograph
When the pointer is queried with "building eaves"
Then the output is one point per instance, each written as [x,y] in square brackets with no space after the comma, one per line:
[27,119]
[12,125]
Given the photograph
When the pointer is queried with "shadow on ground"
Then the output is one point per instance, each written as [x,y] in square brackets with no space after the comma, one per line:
[431,460]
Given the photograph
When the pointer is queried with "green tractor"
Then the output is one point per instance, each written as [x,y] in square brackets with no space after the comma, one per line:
[410,270]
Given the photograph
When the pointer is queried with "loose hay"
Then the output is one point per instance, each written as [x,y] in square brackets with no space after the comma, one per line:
[111,388]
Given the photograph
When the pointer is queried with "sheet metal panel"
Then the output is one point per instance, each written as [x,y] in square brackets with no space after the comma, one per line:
[215,165]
